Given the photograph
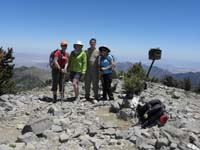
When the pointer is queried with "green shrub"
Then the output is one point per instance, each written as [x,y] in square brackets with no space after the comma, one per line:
[133,84]
[168,80]
[155,80]
[137,70]
[134,79]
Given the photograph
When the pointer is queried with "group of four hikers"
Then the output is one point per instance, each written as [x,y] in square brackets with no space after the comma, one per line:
[83,65]
[89,65]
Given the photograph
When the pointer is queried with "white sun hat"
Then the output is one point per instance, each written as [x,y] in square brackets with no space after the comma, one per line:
[78,43]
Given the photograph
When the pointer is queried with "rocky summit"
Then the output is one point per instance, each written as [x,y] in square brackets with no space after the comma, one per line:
[30,121]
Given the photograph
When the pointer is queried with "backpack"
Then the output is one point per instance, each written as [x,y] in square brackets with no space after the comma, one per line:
[114,62]
[51,58]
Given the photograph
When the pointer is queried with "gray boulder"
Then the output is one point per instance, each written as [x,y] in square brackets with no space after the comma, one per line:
[146,147]
[92,130]
[87,144]
[5,147]
[115,107]
[145,144]
[162,142]
[193,138]
[125,114]
[97,142]
[38,126]
[55,111]
[173,146]
[27,138]
[56,128]
[64,137]
[176,95]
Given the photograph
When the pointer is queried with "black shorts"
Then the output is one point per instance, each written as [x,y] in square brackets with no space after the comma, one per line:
[75,75]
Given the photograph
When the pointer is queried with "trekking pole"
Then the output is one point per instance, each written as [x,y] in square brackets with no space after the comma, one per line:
[63,88]
[101,83]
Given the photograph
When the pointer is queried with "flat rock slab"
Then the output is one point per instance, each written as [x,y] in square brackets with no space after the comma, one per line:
[38,126]
[27,138]
[64,138]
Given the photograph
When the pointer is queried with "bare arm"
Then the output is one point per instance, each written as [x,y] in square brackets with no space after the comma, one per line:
[65,68]
[110,66]
[56,63]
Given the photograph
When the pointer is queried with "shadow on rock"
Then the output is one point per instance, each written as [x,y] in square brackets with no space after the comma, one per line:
[69,99]
[50,99]
[46,99]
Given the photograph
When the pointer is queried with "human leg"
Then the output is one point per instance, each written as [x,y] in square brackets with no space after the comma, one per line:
[108,81]
[103,82]
[87,85]
[95,84]
[76,78]
[55,81]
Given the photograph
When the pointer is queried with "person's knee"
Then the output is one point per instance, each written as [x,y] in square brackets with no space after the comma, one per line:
[54,87]
[75,83]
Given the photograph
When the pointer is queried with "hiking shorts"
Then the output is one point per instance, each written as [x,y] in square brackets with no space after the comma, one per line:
[75,75]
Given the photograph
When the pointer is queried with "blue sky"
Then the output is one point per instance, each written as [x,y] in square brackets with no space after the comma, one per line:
[129,27]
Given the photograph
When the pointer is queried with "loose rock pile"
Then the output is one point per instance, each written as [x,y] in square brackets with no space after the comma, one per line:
[30,121]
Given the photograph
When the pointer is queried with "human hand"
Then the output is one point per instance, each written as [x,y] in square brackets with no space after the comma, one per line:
[64,71]
[103,68]
[82,78]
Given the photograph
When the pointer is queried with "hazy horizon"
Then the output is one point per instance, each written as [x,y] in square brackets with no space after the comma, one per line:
[34,59]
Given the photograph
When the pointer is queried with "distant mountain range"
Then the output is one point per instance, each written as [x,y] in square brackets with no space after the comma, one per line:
[31,77]
[194,77]
[27,78]
[155,72]
[160,73]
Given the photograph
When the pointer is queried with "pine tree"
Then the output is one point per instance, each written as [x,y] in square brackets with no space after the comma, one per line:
[137,70]
[7,85]
[187,84]
[198,89]
[168,80]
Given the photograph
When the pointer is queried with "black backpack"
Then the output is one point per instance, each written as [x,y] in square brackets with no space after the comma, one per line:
[51,58]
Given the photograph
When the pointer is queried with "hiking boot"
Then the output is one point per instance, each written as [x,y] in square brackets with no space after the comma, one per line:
[94,101]
[96,98]
[103,98]
[111,98]
[88,98]
[77,99]
[54,98]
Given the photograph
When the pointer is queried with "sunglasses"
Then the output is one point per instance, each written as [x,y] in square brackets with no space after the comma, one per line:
[63,45]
